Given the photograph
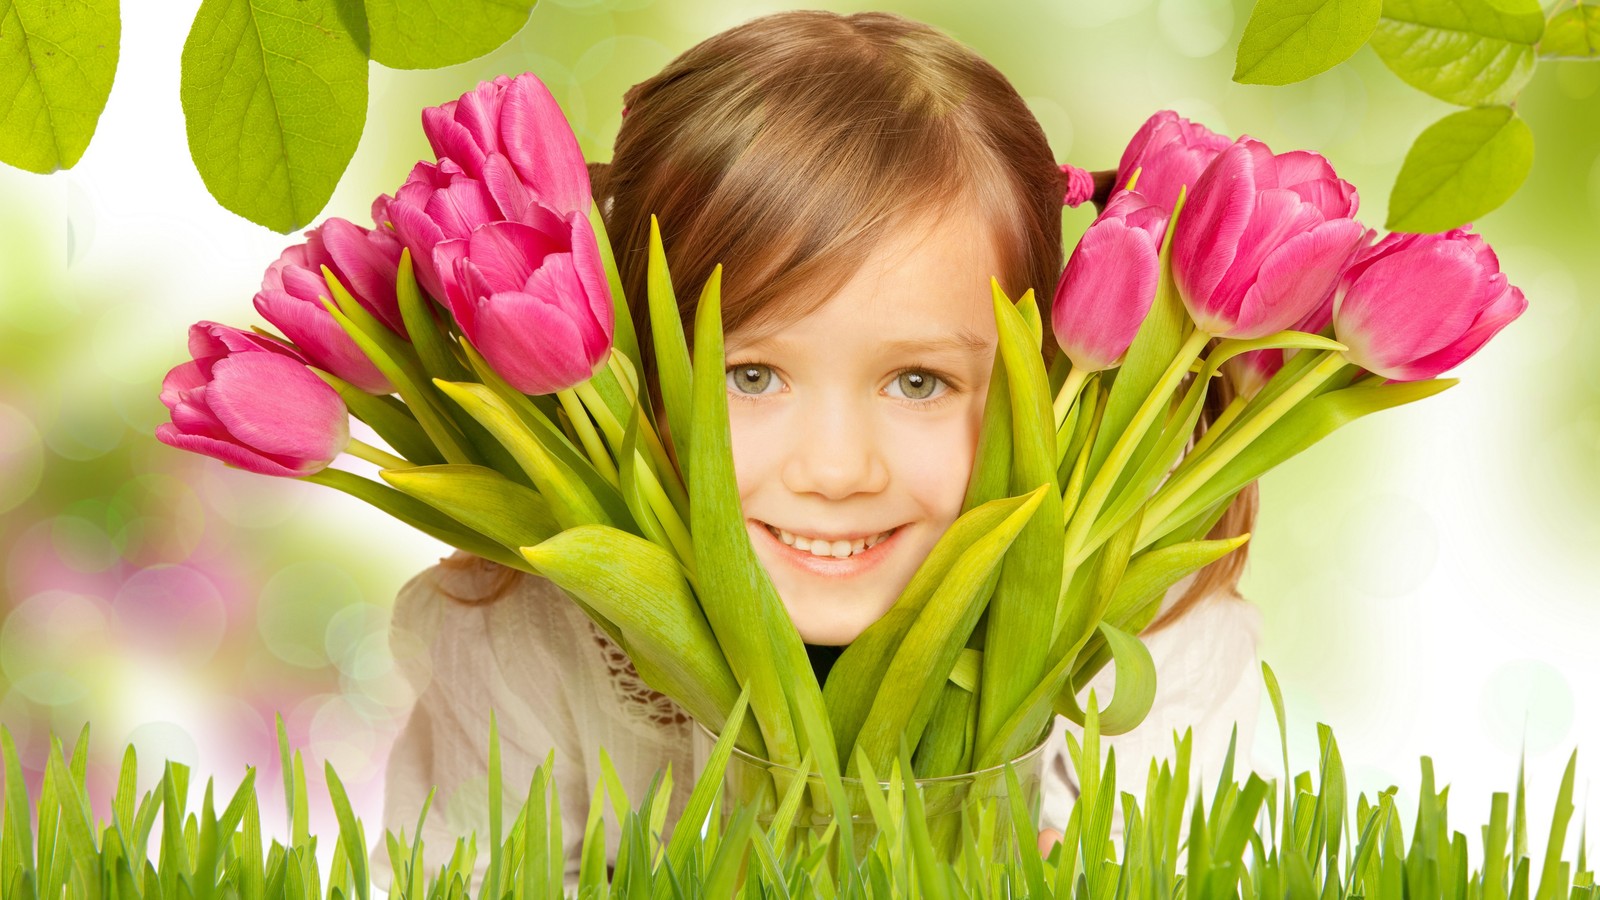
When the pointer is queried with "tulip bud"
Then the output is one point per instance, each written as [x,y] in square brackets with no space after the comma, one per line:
[1169,152]
[251,402]
[1108,285]
[1262,240]
[1416,305]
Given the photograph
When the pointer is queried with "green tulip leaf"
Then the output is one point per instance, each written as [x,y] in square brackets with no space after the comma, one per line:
[57,61]
[390,418]
[739,599]
[1466,52]
[431,34]
[481,499]
[1291,40]
[1023,609]
[274,101]
[419,515]
[858,675]
[1573,34]
[905,697]
[1135,680]
[667,340]
[1461,167]
[640,588]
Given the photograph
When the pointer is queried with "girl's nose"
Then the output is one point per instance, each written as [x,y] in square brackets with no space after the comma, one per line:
[835,453]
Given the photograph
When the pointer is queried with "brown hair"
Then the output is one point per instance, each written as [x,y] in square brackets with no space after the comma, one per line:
[787,147]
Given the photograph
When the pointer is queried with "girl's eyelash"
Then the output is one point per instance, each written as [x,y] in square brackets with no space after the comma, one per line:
[952,387]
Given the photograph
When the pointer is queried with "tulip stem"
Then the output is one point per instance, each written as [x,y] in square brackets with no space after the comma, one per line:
[1088,510]
[1173,495]
[584,426]
[381,458]
[1069,393]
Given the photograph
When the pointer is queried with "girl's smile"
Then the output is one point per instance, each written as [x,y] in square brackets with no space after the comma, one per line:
[824,558]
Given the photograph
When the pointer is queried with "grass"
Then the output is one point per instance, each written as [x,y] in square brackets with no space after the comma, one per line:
[1246,840]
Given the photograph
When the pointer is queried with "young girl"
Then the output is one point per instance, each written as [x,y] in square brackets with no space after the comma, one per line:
[860,178]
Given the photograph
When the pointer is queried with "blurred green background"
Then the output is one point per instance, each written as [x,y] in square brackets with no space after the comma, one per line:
[1427,576]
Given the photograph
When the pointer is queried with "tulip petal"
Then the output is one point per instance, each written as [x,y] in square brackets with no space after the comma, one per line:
[542,147]
[185,377]
[1297,277]
[450,138]
[1208,231]
[1408,305]
[278,407]
[506,254]
[461,207]
[420,234]
[321,340]
[506,187]
[1506,307]
[367,263]
[233,454]
[1105,294]
[596,287]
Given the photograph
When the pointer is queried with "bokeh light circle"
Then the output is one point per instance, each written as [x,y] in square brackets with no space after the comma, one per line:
[155,518]
[1526,697]
[297,605]
[159,742]
[21,457]
[171,612]
[1195,28]
[342,736]
[82,544]
[245,499]
[48,644]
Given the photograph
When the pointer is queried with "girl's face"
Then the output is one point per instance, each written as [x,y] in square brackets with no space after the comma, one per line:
[862,419]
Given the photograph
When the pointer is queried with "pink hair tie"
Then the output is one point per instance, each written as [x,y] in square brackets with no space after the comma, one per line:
[624,110]
[1080,185]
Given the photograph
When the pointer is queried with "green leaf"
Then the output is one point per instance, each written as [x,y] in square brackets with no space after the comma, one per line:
[671,353]
[1573,33]
[57,61]
[1291,40]
[418,515]
[1466,52]
[480,498]
[922,663]
[1461,167]
[640,587]
[430,34]
[274,100]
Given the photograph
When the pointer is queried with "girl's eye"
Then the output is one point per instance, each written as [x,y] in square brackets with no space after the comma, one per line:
[918,384]
[751,379]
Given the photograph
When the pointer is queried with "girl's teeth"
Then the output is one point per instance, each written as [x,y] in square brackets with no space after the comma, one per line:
[835,549]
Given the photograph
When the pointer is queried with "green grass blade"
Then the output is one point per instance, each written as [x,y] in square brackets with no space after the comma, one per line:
[16,851]
[351,837]
[1552,885]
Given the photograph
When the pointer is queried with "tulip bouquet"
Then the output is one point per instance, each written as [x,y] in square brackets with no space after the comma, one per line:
[479,329]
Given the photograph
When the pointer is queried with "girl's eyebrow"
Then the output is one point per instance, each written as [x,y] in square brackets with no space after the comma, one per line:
[963,340]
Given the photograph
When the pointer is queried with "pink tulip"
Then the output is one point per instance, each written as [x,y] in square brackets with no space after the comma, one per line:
[1416,305]
[533,299]
[1169,151]
[1109,283]
[1262,240]
[292,289]
[251,402]
[437,203]
[518,119]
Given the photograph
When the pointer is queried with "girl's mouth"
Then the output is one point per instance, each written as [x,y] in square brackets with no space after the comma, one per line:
[823,558]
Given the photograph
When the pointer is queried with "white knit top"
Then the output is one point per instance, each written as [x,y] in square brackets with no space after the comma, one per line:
[556,682]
